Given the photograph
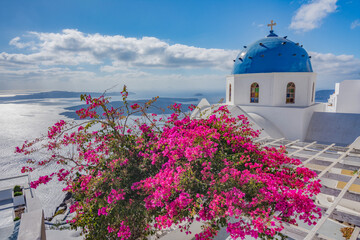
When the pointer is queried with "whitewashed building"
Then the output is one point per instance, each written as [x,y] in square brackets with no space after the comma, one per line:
[346,98]
[272,82]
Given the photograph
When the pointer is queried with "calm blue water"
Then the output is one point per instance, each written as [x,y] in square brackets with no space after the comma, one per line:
[21,121]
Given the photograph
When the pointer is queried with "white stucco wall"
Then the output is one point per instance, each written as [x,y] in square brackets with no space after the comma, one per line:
[330,127]
[266,126]
[293,121]
[348,97]
[331,105]
[272,88]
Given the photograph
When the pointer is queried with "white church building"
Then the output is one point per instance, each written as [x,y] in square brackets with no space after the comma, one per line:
[272,83]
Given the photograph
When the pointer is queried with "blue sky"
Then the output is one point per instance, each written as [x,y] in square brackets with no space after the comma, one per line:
[164,45]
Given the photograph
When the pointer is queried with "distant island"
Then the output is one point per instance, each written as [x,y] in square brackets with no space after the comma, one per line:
[323,95]
[159,107]
[57,94]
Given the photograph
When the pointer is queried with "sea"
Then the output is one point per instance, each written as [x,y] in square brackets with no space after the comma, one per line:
[25,115]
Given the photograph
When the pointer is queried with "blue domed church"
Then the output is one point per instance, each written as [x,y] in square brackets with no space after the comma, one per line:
[272,54]
[273,82]
[272,71]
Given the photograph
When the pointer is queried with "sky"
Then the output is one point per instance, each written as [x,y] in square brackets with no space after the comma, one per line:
[164,46]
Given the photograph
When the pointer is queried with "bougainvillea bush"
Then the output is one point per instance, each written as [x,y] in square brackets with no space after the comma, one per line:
[132,180]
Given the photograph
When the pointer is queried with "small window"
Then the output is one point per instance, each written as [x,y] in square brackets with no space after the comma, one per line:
[312,96]
[254,93]
[230,92]
[290,93]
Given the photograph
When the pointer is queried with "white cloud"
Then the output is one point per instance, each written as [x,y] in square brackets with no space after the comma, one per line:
[259,25]
[72,47]
[15,42]
[309,16]
[355,24]
[334,68]
[72,60]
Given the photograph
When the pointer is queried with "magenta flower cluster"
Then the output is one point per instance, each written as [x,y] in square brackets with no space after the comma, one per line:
[131,181]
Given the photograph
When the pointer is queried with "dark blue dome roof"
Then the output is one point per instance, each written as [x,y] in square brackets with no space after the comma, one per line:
[272,54]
